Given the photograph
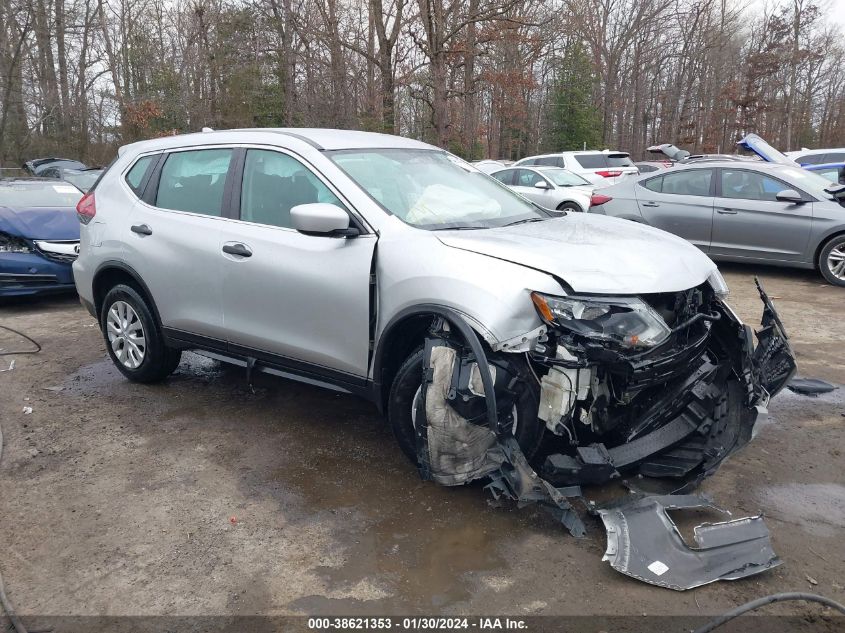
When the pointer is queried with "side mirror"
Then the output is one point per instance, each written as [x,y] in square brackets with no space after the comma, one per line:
[542,184]
[790,195]
[321,218]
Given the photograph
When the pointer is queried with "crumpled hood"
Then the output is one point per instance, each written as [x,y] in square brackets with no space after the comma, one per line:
[40,223]
[594,253]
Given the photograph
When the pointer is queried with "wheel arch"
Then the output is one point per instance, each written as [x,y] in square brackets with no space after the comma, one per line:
[111,273]
[404,333]
[839,232]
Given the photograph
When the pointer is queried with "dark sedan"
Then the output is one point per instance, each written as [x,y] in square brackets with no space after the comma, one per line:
[39,236]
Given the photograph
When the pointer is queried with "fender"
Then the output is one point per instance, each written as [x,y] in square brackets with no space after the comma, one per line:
[126,268]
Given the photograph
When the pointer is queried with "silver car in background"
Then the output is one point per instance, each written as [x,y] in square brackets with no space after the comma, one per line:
[742,211]
[551,187]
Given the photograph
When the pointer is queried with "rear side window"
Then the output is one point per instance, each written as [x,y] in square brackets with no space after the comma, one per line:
[274,183]
[135,176]
[505,176]
[552,161]
[653,184]
[529,161]
[834,157]
[194,181]
[831,173]
[694,182]
[811,159]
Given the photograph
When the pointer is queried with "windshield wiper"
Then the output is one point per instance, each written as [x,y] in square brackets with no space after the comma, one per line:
[463,227]
[525,221]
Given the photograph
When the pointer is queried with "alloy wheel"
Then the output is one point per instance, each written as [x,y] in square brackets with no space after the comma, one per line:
[836,262]
[126,334]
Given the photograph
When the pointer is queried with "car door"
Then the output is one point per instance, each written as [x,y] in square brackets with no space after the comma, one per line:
[751,223]
[524,183]
[680,202]
[172,237]
[290,298]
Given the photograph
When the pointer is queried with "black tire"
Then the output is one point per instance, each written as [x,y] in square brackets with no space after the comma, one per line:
[570,206]
[529,428]
[837,243]
[159,361]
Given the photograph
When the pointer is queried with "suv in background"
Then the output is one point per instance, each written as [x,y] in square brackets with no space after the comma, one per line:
[389,268]
[601,168]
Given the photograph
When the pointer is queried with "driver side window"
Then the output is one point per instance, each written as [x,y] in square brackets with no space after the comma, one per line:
[750,185]
[274,183]
[525,178]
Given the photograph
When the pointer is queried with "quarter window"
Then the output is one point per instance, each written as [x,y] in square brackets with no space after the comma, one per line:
[194,181]
[136,175]
[274,183]
[750,185]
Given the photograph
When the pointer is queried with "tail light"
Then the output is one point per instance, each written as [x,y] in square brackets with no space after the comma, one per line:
[597,198]
[86,209]
[609,173]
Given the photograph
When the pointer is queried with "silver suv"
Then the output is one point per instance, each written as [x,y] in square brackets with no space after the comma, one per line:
[391,269]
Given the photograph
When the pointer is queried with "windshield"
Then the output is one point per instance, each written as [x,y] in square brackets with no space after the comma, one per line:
[432,189]
[56,194]
[809,181]
[564,177]
[84,180]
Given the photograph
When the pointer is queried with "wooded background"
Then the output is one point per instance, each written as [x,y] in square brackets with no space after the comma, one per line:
[484,78]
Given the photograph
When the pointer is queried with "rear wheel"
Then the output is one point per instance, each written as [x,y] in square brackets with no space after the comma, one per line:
[831,261]
[406,387]
[133,338]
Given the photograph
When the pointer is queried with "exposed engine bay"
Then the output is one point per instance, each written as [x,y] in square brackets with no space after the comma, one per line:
[662,387]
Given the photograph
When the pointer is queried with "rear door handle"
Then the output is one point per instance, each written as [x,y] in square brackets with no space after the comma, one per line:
[237,249]
[726,211]
[650,204]
[141,229]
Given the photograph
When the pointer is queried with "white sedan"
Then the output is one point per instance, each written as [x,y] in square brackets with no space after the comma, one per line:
[551,187]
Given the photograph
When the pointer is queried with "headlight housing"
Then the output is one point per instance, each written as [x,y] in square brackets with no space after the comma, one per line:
[628,322]
[9,244]
[718,284]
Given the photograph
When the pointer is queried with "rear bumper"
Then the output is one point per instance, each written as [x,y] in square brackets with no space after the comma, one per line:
[23,274]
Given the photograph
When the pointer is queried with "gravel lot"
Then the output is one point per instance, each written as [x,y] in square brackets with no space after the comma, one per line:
[199,496]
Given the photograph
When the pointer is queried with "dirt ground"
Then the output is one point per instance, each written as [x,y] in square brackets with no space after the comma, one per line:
[199,496]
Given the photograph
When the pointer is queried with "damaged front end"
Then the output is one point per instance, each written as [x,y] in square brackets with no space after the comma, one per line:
[664,386]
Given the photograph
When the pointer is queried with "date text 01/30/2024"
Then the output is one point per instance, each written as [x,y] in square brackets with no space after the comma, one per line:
[417,623]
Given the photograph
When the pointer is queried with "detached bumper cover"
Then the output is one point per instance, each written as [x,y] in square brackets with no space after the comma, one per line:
[644,543]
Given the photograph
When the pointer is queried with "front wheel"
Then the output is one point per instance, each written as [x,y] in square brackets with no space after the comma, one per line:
[406,387]
[133,338]
[832,261]
[570,206]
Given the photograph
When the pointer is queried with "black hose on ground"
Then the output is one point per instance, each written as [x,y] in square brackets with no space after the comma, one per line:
[766,600]
[28,338]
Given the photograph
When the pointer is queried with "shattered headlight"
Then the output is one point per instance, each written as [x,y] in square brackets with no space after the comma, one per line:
[626,321]
[9,244]
[718,284]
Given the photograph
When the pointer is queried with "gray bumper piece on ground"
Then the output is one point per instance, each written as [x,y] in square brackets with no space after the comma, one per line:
[644,543]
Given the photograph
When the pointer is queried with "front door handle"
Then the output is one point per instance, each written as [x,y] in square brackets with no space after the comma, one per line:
[141,229]
[237,249]
[726,211]
[650,204]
